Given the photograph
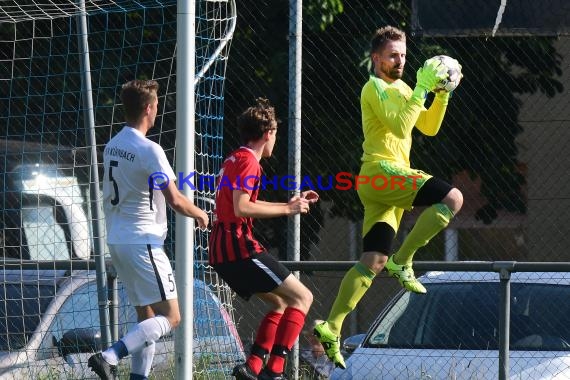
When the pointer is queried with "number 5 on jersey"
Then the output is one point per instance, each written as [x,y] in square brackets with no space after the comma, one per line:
[114,164]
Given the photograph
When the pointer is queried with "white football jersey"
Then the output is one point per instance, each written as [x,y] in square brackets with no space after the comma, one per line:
[135,208]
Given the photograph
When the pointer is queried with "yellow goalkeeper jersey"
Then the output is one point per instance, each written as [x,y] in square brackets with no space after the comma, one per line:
[389,113]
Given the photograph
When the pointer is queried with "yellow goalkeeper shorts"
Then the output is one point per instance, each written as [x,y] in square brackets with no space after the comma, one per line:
[386,189]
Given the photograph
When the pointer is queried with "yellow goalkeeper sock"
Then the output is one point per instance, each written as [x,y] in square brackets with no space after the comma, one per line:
[429,223]
[352,288]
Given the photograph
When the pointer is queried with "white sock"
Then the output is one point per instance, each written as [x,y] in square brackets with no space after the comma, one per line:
[141,362]
[110,356]
[145,333]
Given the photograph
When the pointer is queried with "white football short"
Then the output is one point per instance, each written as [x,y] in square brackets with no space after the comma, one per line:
[145,271]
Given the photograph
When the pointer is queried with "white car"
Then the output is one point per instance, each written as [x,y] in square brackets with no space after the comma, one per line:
[452,332]
[49,326]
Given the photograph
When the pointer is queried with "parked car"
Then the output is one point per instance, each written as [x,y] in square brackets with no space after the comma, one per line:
[44,202]
[49,327]
[452,332]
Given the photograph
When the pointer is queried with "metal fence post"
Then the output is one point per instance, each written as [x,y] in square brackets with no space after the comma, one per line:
[294,149]
[95,204]
[504,268]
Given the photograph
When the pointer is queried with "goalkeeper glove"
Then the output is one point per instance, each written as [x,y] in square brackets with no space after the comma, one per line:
[428,76]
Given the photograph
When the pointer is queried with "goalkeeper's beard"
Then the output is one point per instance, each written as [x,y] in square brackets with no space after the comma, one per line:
[395,74]
[392,73]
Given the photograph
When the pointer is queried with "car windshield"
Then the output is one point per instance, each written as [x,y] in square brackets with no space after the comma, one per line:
[466,316]
[20,312]
[45,234]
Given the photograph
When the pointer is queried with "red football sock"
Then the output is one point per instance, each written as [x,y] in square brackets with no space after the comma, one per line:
[263,340]
[287,333]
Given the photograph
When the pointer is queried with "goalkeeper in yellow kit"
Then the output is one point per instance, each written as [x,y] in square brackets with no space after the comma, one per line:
[390,110]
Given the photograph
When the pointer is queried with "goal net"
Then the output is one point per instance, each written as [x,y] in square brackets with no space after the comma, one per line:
[45,208]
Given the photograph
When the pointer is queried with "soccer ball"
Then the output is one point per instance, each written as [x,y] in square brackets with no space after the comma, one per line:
[453,69]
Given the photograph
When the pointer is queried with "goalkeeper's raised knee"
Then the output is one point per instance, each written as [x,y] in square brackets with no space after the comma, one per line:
[453,200]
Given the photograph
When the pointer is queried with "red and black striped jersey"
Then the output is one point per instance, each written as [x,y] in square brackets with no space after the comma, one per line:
[231,238]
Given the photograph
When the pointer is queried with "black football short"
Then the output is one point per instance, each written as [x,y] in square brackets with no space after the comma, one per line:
[259,274]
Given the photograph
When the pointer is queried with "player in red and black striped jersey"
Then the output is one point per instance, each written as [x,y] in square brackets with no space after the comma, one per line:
[242,261]
[232,238]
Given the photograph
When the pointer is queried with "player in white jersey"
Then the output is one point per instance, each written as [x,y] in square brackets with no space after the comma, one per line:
[137,184]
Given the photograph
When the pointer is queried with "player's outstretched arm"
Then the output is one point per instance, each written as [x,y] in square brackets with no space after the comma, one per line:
[243,207]
[181,204]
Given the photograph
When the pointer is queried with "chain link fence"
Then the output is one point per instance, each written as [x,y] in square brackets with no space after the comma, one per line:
[53,312]
[502,142]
